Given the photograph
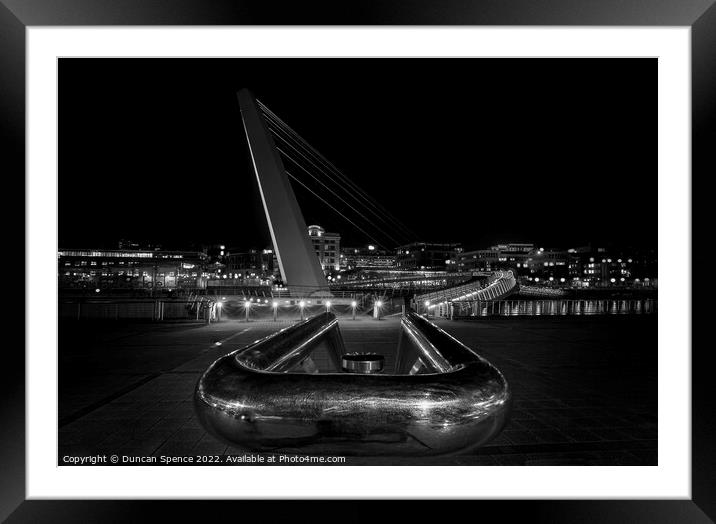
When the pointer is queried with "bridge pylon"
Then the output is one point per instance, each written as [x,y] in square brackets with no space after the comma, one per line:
[297,260]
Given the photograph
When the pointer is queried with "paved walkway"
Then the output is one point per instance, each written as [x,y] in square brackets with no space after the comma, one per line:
[584,388]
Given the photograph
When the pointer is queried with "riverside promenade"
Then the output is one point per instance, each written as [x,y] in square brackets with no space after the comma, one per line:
[585,388]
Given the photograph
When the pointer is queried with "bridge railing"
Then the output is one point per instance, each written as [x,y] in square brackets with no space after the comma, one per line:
[552,307]
[498,285]
[198,309]
[409,278]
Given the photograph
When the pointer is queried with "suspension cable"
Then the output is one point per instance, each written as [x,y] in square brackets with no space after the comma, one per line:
[379,244]
[278,122]
[381,216]
[337,184]
[330,190]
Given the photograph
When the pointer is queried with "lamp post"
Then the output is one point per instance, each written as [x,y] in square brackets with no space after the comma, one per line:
[301,305]
[328,306]
[218,311]
[353,305]
[376,309]
[275,310]
[427,308]
[247,307]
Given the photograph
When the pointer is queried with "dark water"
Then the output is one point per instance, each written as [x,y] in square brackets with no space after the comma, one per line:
[557,307]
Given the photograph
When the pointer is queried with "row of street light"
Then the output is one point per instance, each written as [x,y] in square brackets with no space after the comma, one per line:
[377,305]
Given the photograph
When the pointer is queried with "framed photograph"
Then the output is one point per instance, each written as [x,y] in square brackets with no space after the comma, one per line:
[402,254]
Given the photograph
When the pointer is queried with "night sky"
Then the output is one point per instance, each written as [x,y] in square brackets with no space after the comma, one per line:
[561,152]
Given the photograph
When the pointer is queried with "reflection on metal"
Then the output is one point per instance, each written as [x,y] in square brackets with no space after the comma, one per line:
[415,348]
[291,346]
[309,366]
[255,399]
[362,363]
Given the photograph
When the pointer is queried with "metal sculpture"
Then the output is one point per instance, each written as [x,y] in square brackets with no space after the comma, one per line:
[267,398]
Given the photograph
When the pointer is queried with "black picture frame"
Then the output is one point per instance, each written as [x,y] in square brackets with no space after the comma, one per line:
[700,15]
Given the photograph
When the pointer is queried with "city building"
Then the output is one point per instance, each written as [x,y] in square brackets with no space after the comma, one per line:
[327,247]
[216,252]
[131,269]
[501,256]
[547,265]
[251,266]
[514,248]
[575,267]
[367,257]
[128,245]
[428,256]
[478,260]
[600,267]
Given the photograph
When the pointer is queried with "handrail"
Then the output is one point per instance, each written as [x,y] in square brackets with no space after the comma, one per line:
[285,349]
[500,284]
[410,278]
[243,400]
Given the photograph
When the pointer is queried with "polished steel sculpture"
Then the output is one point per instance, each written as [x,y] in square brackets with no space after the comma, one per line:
[267,397]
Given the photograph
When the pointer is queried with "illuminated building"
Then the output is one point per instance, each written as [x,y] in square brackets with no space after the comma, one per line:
[327,247]
[577,267]
[131,269]
[128,245]
[547,264]
[217,253]
[478,260]
[428,255]
[501,256]
[368,257]
[251,265]
[599,267]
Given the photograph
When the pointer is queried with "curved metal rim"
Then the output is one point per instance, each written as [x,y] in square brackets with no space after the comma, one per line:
[356,414]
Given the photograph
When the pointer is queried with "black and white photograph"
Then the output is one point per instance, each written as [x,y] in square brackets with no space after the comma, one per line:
[357,261]
[387,248]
